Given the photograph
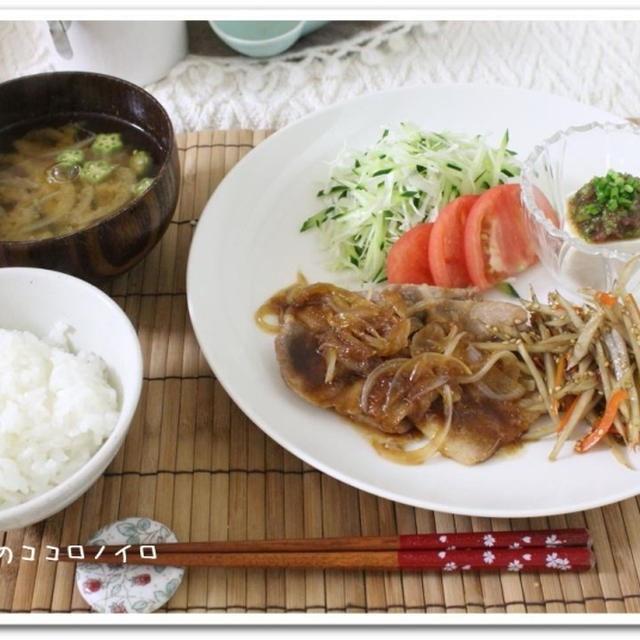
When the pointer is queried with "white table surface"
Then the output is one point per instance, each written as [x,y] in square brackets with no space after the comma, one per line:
[590,61]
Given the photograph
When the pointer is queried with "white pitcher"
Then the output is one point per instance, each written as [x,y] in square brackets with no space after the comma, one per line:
[139,51]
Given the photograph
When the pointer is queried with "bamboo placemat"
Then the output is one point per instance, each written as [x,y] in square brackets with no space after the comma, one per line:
[193,461]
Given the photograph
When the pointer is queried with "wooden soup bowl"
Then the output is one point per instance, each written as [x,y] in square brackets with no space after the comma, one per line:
[115,243]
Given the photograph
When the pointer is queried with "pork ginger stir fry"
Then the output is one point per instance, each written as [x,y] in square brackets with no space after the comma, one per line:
[408,362]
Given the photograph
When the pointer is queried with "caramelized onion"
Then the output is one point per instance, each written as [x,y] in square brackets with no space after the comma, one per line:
[330,358]
[426,364]
[393,450]
[453,343]
[265,311]
[375,375]
[438,440]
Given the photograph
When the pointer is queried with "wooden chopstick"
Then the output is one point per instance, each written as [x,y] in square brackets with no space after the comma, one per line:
[542,550]
[551,538]
[537,559]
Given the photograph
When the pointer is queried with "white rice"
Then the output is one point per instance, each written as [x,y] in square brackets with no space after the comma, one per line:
[56,409]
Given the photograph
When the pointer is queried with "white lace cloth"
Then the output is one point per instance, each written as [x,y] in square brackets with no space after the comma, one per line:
[590,61]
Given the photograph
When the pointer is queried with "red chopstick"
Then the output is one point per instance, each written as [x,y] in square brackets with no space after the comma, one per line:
[551,538]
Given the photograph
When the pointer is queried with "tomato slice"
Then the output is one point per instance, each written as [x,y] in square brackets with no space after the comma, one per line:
[408,259]
[446,246]
[496,241]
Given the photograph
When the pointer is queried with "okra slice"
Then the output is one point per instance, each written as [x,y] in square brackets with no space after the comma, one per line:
[106,143]
[141,186]
[95,171]
[140,162]
[70,156]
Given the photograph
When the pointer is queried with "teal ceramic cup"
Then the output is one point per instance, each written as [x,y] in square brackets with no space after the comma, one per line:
[262,38]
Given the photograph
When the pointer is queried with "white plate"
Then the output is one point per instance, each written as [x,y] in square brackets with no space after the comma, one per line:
[247,246]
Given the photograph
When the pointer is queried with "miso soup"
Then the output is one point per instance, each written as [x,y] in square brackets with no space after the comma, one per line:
[55,180]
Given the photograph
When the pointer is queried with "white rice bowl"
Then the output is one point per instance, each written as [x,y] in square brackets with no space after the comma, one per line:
[57,407]
[75,316]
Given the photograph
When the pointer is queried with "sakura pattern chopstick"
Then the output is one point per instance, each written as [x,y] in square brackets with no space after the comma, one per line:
[547,550]
[531,559]
[422,541]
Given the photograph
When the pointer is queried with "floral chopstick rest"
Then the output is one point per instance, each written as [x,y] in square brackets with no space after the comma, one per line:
[128,588]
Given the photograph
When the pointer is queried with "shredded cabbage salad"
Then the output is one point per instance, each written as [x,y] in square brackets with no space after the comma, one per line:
[375,195]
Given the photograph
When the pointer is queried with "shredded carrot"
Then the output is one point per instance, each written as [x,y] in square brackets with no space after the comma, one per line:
[567,415]
[606,298]
[603,426]
[557,383]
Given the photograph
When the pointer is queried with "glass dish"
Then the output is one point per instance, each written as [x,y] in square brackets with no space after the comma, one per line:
[560,166]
